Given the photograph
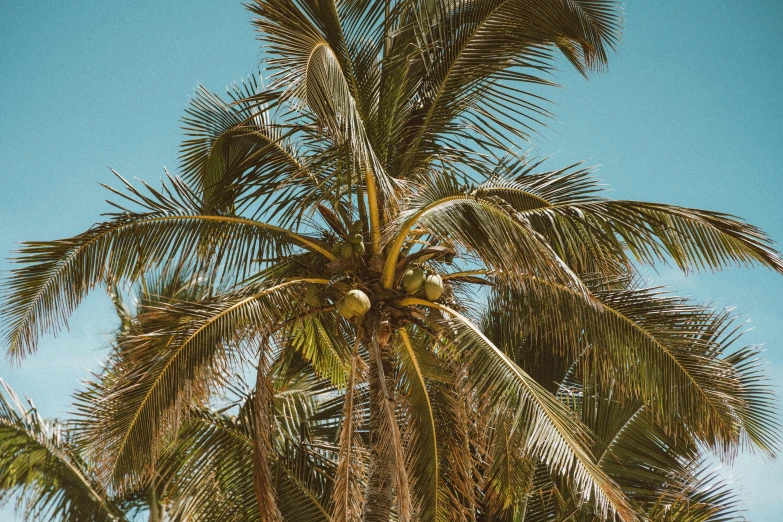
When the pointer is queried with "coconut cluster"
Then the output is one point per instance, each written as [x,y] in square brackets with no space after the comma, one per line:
[354,245]
[355,303]
[415,279]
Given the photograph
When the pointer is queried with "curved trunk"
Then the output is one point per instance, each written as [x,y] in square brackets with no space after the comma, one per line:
[379,492]
[262,476]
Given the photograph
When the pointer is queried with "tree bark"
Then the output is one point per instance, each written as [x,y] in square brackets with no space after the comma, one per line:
[262,476]
[379,491]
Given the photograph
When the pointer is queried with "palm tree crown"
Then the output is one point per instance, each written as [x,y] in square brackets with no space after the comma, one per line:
[461,332]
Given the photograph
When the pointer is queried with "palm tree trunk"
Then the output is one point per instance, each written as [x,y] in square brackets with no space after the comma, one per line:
[379,491]
[262,476]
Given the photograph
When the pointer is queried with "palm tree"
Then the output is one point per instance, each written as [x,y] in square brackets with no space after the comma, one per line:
[45,465]
[200,476]
[40,466]
[349,220]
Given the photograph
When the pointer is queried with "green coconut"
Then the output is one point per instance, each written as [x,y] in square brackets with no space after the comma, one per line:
[433,287]
[355,239]
[357,226]
[337,248]
[412,280]
[355,303]
[313,296]
[346,250]
[359,248]
[340,308]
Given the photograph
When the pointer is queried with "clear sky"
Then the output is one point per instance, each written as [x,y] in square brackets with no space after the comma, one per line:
[690,113]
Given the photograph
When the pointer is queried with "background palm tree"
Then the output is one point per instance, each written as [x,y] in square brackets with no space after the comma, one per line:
[381,134]
[200,475]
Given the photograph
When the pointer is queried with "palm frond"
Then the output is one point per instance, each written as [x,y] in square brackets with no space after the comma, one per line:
[235,148]
[208,465]
[551,432]
[422,450]
[57,275]
[489,230]
[659,348]
[42,469]
[508,480]
[700,494]
[475,56]
[308,48]
[177,355]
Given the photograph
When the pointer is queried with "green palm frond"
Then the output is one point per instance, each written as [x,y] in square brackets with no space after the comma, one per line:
[178,353]
[508,480]
[484,227]
[458,467]
[57,275]
[209,469]
[660,348]
[564,206]
[308,50]
[208,464]
[234,148]
[320,341]
[760,429]
[423,446]
[41,468]
[476,55]
[551,432]
[700,495]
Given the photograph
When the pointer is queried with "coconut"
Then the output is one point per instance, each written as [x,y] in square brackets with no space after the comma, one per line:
[359,249]
[355,303]
[357,226]
[346,250]
[313,296]
[433,287]
[412,280]
[342,310]
[337,248]
[356,239]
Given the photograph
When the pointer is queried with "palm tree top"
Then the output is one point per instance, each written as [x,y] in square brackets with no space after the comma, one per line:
[344,219]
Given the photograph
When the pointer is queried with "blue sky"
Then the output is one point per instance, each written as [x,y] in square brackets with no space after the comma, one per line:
[689,113]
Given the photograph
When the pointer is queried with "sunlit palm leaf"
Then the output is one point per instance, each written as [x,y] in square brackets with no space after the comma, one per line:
[179,353]
[423,446]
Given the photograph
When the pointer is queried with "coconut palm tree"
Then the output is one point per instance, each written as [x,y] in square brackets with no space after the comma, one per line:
[41,468]
[366,220]
[201,475]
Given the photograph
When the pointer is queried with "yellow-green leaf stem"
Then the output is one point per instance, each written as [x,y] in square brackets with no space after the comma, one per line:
[375,221]
[387,276]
